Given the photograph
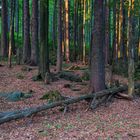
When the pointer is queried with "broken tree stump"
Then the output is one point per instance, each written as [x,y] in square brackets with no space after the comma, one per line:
[13,115]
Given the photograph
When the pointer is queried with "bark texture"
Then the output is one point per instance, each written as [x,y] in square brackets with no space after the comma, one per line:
[26,45]
[97,56]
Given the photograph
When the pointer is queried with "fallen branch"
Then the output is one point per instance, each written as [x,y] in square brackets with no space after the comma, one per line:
[123,96]
[13,115]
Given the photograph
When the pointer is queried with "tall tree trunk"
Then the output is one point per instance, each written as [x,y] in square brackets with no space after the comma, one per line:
[97,81]
[44,47]
[120,29]
[114,51]
[124,50]
[75,28]
[26,44]
[11,37]
[67,55]
[63,29]
[13,26]
[23,20]
[54,24]
[106,31]
[131,43]
[117,30]
[59,48]
[91,27]
[84,35]
[17,16]
[34,39]
[4,28]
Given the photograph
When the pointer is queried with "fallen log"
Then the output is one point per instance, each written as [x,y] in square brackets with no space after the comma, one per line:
[70,76]
[13,115]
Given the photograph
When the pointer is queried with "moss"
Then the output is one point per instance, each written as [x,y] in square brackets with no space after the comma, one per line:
[20,76]
[52,96]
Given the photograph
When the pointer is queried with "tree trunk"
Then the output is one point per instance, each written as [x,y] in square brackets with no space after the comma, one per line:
[84,35]
[67,55]
[54,24]
[44,48]
[114,51]
[34,39]
[59,48]
[11,36]
[97,81]
[131,42]
[4,30]
[124,49]
[120,29]
[106,32]
[75,29]
[26,46]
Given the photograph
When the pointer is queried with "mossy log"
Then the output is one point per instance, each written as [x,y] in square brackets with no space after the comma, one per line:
[70,76]
[13,115]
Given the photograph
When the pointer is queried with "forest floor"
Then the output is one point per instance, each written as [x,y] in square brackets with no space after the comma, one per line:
[120,120]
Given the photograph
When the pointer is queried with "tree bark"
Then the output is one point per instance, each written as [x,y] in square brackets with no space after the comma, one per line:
[44,48]
[84,35]
[97,81]
[106,31]
[124,47]
[54,33]
[34,39]
[11,36]
[75,28]
[26,46]
[59,48]
[131,42]
[67,55]
[4,28]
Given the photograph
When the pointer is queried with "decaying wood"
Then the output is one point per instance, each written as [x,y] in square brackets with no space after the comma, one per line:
[123,96]
[69,76]
[13,115]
